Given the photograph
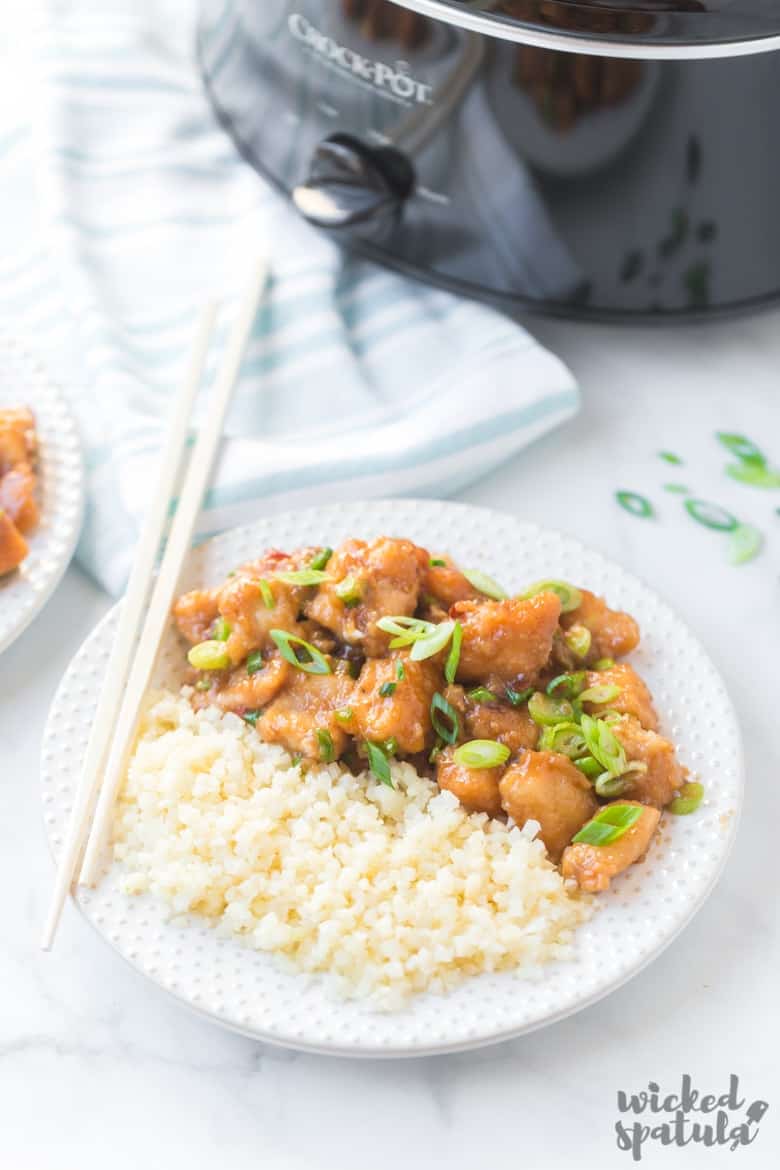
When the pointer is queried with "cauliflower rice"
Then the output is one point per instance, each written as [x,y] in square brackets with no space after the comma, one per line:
[389,891]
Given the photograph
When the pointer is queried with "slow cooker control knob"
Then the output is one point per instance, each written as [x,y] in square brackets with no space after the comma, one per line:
[352,184]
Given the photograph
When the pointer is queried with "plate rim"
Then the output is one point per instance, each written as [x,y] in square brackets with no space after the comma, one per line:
[404,1051]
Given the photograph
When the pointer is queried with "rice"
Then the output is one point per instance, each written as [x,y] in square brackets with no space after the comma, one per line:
[388,891]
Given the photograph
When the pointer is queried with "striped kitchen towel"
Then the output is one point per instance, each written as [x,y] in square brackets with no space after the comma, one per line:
[357,382]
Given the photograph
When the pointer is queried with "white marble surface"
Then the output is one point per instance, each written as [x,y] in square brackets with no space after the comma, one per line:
[97,1069]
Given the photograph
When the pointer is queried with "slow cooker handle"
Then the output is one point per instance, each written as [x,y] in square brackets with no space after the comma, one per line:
[352,184]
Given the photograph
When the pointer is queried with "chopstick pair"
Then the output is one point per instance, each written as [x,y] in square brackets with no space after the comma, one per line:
[140,629]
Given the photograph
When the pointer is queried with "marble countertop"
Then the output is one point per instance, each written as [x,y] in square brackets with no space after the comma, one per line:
[99,1069]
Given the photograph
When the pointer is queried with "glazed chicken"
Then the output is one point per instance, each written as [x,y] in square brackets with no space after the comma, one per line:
[18,505]
[379,650]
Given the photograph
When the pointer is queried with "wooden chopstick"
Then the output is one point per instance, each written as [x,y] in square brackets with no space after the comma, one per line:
[131,616]
[179,543]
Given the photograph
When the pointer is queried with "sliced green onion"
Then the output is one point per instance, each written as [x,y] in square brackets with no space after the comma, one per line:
[760,477]
[589,767]
[670,457]
[482,695]
[608,825]
[254,662]
[221,630]
[251,717]
[344,714]
[545,710]
[566,686]
[400,672]
[602,694]
[565,738]
[484,584]
[604,664]
[438,563]
[321,559]
[210,655]
[569,596]
[742,447]
[604,746]
[303,577]
[267,595]
[314,663]
[711,515]
[745,543]
[350,591]
[678,489]
[203,684]
[453,658]
[391,745]
[482,753]
[610,786]
[444,718]
[387,689]
[404,630]
[635,504]
[435,752]
[378,763]
[327,750]
[691,796]
[579,640]
[432,643]
[517,698]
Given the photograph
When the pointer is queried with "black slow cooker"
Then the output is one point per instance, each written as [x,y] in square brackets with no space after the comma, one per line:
[587,158]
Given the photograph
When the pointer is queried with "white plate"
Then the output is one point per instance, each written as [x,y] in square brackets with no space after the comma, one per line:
[639,916]
[23,382]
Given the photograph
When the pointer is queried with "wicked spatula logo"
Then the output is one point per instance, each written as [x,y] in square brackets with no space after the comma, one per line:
[687,1117]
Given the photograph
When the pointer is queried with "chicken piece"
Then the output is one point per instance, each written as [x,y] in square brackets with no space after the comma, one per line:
[477,789]
[195,612]
[17,496]
[244,608]
[13,449]
[634,697]
[664,775]
[405,713]
[239,691]
[308,704]
[509,725]
[510,640]
[613,633]
[386,576]
[446,584]
[13,546]
[22,420]
[594,866]
[546,787]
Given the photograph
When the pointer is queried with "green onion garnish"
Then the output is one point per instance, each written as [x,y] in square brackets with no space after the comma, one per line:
[677,489]
[344,714]
[691,796]
[203,684]
[254,662]
[604,664]
[267,594]
[391,745]
[517,698]
[603,694]
[567,686]
[303,577]
[484,584]
[453,658]
[221,630]
[742,447]
[579,640]
[604,746]
[570,597]
[669,457]
[760,477]
[482,753]
[387,689]
[350,591]
[545,710]
[327,750]
[608,825]
[589,767]
[400,672]
[635,504]
[711,515]
[321,559]
[405,630]
[314,663]
[444,718]
[378,763]
[745,543]
[438,563]
[210,655]
[432,643]
[610,786]
[482,695]
[251,717]
[565,738]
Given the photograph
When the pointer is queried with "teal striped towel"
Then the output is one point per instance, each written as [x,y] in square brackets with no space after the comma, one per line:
[357,382]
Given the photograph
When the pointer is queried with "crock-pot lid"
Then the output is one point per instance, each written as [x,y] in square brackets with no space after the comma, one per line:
[695,24]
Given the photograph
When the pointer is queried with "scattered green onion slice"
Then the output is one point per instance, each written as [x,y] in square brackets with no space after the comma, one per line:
[435,752]
[203,684]
[378,763]
[251,717]
[691,796]
[517,698]
[387,689]
[602,694]
[604,746]
[484,584]
[608,825]
[610,786]
[350,591]
[635,504]
[569,596]
[711,515]
[432,643]
[589,767]
[438,563]
[321,559]
[546,710]
[566,686]
[210,655]
[670,457]
[745,543]
[314,663]
[482,695]
[400,672]
[327,750]
[267,595]
[565,738]
[604,664]
[482,753]
[742,447]
[391,745]
[303,577]
[678,489]
[444,718]
[344,714]
[453,658]
[221,630]
[405,630]
[579,640]
[254,662]
[760,477]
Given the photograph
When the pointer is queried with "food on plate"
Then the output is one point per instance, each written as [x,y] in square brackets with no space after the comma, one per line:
[18,504]
[376,748]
